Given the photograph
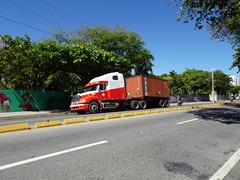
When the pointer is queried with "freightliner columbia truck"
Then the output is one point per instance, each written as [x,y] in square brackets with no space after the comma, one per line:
[112,91]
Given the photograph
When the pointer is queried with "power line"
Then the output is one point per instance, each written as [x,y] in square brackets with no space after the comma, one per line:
[165,67]
[174,61]
[63,12]
[161,67]
[32,12]
[17,22]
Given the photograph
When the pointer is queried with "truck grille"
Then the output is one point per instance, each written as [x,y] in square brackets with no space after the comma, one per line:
[75,98]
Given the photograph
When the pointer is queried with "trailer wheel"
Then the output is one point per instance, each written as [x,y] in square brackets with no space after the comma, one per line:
[134,105]
[142,104]
[161,103]
[166,103]
[93,108]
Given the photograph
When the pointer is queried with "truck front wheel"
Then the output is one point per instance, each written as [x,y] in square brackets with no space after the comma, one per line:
[93,108]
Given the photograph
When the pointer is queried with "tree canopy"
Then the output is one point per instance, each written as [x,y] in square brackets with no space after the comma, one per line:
[127,47]
[221,82]
[234,91]
[67,61]
[193,81]
[222,19]
[50,65]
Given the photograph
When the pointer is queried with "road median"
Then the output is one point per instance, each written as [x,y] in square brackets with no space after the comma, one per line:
[14,127]
[47,124]
[25,126]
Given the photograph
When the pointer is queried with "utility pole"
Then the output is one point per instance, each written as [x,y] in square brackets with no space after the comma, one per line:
[213,98]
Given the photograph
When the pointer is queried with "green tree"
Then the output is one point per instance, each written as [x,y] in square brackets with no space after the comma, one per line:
[222,19]
[50,65]
[65,62]
[197,81]
[175,80]
[14,67]
[221,82]
[28,65]
[65,65]
[234,91]
[236,62]
[193,81]
[87,60]
[143,64]
[126,46]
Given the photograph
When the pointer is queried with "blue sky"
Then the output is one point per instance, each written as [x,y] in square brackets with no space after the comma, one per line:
[174,45]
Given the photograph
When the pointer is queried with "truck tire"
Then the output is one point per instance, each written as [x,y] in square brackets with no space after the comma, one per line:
[93,108]
[142,104]
[166,103]
[161,103]
[134,105]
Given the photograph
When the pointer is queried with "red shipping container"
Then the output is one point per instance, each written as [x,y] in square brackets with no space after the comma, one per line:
[141,86]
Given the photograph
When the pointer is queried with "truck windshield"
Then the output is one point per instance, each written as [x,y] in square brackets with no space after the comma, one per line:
[90,88]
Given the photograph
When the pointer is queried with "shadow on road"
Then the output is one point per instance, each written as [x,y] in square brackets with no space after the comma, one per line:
[229,114]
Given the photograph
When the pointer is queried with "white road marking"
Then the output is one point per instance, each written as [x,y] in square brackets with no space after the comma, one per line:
[191,120]
[50,155]
[225,169]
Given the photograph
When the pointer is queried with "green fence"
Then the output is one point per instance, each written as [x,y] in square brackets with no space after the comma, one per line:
[40,100]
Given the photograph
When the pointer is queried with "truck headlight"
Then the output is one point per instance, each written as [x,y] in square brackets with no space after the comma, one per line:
[82,101]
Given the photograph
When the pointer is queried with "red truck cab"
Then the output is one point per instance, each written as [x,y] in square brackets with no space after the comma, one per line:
[100,93]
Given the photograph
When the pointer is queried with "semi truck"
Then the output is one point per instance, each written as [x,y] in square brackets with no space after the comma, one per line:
[114,92]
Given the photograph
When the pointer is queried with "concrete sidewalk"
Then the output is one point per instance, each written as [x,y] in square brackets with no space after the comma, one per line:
[23,114]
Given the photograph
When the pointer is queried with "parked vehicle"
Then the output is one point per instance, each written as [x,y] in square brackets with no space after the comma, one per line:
[112,92]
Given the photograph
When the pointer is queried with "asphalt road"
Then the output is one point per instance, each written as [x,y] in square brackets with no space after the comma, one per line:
[199,144]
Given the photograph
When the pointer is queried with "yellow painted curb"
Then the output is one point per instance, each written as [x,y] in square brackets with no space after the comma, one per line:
[152,111]
[113,116]
[128,114]
[95,118]
[211,105]
[14,127]
[47,124]
[195,107]
[73,120]
[169,110]
[140,113]
[178,109]
[187,108]
[159,111]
